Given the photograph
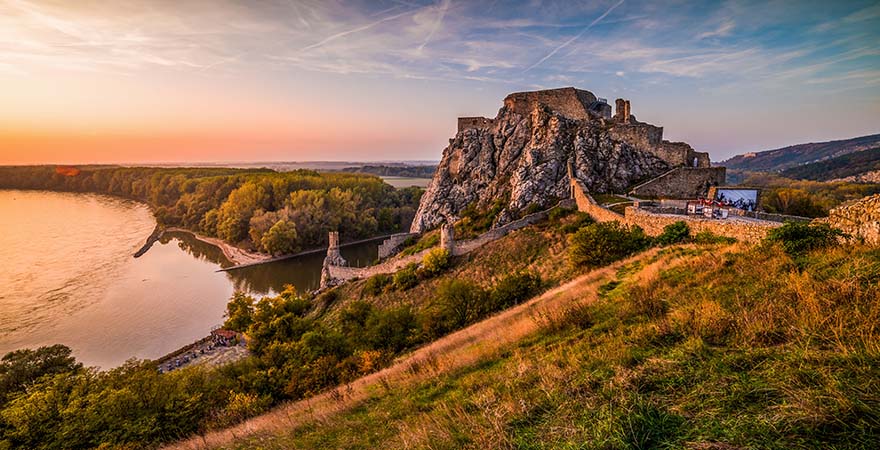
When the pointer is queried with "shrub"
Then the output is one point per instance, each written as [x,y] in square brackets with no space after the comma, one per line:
[708,237]
[436,261]
[513,289]
[603,243]
[376,284]
[406,278]
[557,214]
[580,220]
[414,246]
[533,208]
[391,329]
[459,303]
[476,219]
[674,233]
[798,238]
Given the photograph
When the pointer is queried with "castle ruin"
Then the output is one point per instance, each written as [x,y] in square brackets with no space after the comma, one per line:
[579,104]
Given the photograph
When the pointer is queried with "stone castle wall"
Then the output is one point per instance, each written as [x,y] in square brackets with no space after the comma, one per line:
[681,154]
[748,230]
[643,136]
[472,123]
[742,229]
[391,245]
[586,203]
[860,219]
[682,183]
[570,102]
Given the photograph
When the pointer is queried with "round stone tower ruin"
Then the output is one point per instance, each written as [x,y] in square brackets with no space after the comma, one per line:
[447,237]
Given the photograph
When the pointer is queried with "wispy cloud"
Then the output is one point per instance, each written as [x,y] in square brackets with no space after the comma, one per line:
[358,29]
[722,30]
[441,13]
[575,37]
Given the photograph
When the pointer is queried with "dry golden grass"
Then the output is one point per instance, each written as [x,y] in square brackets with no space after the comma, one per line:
[460,349]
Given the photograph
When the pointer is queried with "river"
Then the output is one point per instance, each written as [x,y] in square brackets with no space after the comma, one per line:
[67,276]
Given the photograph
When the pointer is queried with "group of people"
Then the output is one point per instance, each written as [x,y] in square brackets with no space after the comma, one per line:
[218,339]
[742,203]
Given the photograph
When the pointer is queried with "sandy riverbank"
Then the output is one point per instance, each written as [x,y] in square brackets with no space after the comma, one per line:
[234,254]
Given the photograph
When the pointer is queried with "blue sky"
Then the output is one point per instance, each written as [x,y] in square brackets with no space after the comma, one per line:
[297,80]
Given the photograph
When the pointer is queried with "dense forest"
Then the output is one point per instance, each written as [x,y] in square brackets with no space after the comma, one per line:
[257,209]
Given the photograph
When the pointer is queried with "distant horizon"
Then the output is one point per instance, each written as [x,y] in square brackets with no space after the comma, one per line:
[226,80]
[342,162]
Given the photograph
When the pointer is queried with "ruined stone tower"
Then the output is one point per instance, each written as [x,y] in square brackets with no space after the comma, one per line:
[622,110]
[447,238]
[333,255]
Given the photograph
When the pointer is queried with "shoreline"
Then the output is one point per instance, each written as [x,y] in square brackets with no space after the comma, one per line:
[237,256]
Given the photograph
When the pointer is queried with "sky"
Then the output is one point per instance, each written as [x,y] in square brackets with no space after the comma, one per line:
[151,81]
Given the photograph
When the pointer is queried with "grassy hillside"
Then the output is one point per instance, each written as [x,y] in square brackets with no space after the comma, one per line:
[682,347]
[840,167]
[795,155]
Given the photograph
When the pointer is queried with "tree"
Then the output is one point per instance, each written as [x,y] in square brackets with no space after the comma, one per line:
[22,368]
[235,214]
[281,238]
[239,312]
[459,303]
[602,243]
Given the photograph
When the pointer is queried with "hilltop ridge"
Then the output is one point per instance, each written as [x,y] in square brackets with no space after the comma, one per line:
[780,159]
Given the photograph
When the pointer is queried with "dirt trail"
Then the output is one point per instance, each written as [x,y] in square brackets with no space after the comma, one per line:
[457,350]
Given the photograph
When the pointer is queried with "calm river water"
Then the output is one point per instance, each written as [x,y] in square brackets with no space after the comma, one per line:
[67,276]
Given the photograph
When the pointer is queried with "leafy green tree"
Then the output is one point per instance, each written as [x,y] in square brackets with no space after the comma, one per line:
[239,312]
[459,302]
[391,329]
[793,202]
[22,368]
[235,214]
[513,289]
[281,238]
[376,284]
[602,243]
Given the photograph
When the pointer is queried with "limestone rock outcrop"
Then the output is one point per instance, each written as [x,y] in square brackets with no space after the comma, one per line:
[522,156]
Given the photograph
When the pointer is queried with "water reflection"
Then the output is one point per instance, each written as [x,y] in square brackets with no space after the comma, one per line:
[303,272]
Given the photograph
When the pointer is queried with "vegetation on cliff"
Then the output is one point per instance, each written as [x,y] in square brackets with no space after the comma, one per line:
[259,209]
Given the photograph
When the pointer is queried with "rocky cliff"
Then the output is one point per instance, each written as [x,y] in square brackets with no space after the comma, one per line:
[522,156]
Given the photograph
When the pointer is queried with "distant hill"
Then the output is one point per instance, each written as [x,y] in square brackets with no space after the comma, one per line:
[426,171]
[846,166]
[796,155]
